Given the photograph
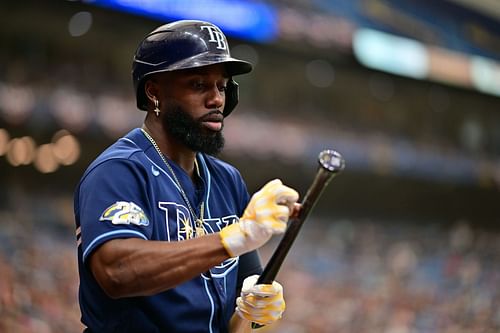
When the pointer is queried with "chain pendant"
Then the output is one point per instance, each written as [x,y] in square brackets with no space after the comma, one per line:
[200,230]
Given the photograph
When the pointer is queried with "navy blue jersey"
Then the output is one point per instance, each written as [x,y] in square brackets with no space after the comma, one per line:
[129,192]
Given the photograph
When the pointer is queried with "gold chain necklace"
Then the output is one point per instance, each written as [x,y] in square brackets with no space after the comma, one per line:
[200,230]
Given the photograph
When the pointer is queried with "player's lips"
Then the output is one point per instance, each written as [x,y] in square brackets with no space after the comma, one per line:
[213,121]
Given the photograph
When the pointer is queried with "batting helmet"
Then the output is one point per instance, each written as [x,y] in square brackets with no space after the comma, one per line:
[182,45]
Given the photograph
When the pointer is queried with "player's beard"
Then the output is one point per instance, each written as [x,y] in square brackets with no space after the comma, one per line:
[191,132]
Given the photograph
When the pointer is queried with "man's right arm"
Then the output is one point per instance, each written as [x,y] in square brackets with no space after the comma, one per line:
[137,267]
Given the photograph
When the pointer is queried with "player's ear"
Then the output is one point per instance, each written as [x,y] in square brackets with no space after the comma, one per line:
[151,89]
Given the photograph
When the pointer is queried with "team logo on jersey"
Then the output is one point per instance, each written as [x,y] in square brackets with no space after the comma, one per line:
[180,226]
[123,212]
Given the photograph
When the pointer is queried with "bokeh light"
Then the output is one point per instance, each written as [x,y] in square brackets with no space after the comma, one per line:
[80,24]
[65,147]
[45,161]
[113,114]
[4,141]
[320,73]
[21,151]
[71,108]
[17,102]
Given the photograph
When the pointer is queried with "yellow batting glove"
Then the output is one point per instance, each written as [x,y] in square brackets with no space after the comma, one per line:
[267,214]
[262,304]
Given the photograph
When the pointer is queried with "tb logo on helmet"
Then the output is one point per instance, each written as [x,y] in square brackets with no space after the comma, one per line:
[181,45]
[216,36]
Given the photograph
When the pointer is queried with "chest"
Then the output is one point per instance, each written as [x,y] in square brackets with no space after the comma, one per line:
[181,214]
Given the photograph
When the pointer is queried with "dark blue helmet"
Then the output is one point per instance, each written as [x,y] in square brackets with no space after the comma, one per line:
[182,45]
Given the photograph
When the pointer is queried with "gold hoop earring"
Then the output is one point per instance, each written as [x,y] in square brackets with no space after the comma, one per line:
[157,107]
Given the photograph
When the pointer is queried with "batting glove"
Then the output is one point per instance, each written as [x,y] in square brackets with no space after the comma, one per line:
[262,303]
[267,214]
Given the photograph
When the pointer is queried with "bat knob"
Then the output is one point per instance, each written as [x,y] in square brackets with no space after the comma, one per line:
[331,160]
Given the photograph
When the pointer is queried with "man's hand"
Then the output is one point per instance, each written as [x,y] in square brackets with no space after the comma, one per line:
[267,214]
[262,304]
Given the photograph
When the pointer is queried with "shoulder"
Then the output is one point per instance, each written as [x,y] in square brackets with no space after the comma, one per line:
[125,152]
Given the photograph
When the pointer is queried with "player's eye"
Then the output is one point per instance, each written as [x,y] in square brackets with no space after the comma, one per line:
[198,85]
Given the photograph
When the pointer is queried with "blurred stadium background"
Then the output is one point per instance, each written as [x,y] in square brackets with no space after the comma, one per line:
[406,240]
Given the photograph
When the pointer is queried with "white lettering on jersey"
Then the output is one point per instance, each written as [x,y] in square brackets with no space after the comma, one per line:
[177,216]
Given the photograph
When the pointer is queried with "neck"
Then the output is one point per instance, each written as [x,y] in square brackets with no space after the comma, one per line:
[170,147]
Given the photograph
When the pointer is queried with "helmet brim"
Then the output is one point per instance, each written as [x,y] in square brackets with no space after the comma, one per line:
[232,65]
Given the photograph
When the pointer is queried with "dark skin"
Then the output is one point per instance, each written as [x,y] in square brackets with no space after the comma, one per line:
[136,267]
[199,91]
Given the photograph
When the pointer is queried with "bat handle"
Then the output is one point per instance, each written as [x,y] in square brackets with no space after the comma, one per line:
[272,268]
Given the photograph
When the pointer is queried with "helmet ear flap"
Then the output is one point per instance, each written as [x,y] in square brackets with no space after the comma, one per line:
[232,97]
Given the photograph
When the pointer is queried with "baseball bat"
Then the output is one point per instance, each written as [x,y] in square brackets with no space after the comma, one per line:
[330,164]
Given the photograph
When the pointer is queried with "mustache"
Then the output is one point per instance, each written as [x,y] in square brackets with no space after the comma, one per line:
[214,115]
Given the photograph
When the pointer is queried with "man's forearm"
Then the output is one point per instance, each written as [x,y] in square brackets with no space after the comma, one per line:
[136,267]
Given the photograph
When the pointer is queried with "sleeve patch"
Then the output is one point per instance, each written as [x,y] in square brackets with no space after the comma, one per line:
[123,212]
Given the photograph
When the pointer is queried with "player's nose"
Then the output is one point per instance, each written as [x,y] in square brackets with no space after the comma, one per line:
[215,98]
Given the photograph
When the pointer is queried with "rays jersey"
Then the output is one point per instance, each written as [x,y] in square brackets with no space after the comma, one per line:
[129,192]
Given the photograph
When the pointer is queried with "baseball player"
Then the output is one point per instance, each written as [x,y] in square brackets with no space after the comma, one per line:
[167,233]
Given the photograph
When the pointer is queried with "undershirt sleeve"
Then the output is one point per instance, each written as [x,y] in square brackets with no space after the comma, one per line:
[249,264]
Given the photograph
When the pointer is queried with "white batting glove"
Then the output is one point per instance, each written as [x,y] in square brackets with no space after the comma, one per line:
[267,214]
[263,303]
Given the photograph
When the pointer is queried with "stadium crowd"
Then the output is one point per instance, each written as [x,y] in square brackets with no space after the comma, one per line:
[367,276]
[346,276]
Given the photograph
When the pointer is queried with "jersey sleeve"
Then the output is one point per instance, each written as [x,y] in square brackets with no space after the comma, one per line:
[113,203]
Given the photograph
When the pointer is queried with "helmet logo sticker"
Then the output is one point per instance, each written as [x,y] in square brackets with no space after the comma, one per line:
[216,36]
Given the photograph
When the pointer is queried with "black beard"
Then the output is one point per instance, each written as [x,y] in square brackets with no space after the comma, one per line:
[191,132]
